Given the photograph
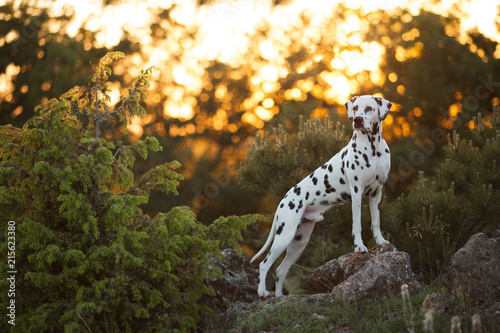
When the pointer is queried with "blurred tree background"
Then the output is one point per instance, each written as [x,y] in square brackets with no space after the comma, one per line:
[229,69]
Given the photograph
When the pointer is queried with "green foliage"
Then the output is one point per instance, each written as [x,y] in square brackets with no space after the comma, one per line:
[87,257]
[276,162]
[442,212]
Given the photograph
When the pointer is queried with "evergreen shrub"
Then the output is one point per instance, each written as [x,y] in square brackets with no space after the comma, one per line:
[441,212]
[87,257]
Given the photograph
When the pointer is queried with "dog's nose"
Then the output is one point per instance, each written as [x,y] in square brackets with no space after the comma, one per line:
[358,122]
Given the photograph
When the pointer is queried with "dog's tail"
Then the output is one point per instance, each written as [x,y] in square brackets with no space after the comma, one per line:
[268,241]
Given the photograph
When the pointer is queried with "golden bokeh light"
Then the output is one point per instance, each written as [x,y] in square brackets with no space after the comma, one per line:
[333,60]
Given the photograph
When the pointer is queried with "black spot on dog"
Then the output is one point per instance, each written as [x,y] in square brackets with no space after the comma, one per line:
[375,129]
[343,154]
[368,165]
[355,108]
[307,195]
[368,109]
[365,157]
[356,178]
[355,189]
[387,150]
[353,167]
[347,165]
[315,180]
[342,171]
[377,177]
[280,229]
[300,204]
[318,193]
[342,181]
[345,196]
[291,205]
[378,100]
[277,278]
[324,203]
[354,145]
[265,260]
[330,190]
[298,237]
[357,162]
[330,168]
[296,190]
[282,205]
[374,194]
[379,154]
[311,175]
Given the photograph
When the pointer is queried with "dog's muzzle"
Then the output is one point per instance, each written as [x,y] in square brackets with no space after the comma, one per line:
[358,123]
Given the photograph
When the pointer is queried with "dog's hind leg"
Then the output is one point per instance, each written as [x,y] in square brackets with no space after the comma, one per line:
[293,253]
[283,237]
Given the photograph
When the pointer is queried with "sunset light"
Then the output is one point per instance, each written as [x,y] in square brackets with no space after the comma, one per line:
[226,32]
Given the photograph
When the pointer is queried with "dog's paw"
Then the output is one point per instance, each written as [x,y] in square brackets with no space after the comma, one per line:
[264,294]
[360,248]
[381,241]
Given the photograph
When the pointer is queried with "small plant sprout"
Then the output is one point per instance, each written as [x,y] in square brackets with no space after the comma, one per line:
[407,311]
[429,322]
[455,325]
[476,323]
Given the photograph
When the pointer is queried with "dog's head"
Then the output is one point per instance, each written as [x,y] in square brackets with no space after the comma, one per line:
[367,110]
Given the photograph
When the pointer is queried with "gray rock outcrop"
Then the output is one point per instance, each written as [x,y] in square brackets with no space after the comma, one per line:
[475,268]
[365,275]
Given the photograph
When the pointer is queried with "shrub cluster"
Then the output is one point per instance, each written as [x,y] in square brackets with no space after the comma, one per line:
[87,256]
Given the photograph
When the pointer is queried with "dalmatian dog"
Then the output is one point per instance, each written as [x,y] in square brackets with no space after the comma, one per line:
[360,169]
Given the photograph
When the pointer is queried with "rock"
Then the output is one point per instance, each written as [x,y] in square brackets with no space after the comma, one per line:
[475,268]
[435,302]
[238,282]
[365,275]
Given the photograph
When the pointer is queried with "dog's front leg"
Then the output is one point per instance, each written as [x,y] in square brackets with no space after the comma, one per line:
[356,222]
[375,213]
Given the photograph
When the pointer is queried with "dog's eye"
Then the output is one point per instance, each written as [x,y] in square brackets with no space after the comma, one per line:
[355,108]
[368,108]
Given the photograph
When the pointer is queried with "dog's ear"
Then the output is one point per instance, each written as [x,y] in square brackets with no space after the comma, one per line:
[348,108]
[384,106]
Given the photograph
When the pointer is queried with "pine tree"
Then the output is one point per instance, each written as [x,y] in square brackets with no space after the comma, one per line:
[87,257]
[440,213]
